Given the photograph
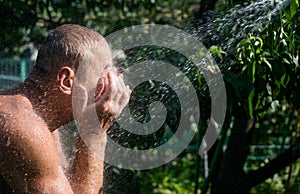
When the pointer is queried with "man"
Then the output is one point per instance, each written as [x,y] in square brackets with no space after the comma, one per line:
[31,111]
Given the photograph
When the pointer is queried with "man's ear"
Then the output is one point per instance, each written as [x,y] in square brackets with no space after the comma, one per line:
[65,80]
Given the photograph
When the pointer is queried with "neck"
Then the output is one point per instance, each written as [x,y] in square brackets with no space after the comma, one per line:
[53,107]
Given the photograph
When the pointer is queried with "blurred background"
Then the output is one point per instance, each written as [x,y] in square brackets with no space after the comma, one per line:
[256,46]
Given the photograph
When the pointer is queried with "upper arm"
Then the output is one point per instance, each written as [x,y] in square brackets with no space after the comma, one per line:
[28,156]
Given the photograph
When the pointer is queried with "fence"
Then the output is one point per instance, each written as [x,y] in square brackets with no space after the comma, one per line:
[261,154]
[13,71]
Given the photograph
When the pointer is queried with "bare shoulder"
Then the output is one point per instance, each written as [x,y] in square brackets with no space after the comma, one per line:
[16,111]
[28,153]
[18,118]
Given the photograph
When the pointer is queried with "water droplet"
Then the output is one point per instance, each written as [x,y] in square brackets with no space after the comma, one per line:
[8,142]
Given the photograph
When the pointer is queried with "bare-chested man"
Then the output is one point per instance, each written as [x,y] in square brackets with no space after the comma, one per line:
[31,111]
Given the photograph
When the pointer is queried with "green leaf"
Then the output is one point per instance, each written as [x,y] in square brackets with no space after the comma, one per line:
[253,71]
[282,80]
[250,102]
[267,63]
[293,7]
[276,89]
[217,50]
[294,22]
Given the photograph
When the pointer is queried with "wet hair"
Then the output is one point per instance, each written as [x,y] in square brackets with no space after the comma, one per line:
[66,45]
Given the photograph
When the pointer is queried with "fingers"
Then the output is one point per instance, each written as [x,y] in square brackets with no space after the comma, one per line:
[117,86]
[121,88]
[100,88]
[125,97]
[81,97]
[114,85]
[111,93]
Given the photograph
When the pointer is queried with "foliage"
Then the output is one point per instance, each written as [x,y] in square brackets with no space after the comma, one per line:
[267,66]
[176,177]
[264,78]
[28,21]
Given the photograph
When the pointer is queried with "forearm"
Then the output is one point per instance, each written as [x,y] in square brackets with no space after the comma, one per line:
[62,158]
[86,170]
[110,98]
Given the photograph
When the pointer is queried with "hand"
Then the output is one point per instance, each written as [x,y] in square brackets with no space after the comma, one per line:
[111,96]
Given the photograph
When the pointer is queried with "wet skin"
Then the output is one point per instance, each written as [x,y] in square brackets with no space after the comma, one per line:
[29,157]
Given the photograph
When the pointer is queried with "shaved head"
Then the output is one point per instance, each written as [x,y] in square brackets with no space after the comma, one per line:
[68,45]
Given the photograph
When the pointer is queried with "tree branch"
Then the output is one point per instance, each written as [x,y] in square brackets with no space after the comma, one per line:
[231,169]
[274,166]
[205,5]
[48,11]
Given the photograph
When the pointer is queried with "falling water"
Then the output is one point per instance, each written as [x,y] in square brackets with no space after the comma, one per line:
[236,23]
[225,29]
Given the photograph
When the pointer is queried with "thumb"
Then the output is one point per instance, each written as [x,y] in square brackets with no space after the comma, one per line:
[100,88]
